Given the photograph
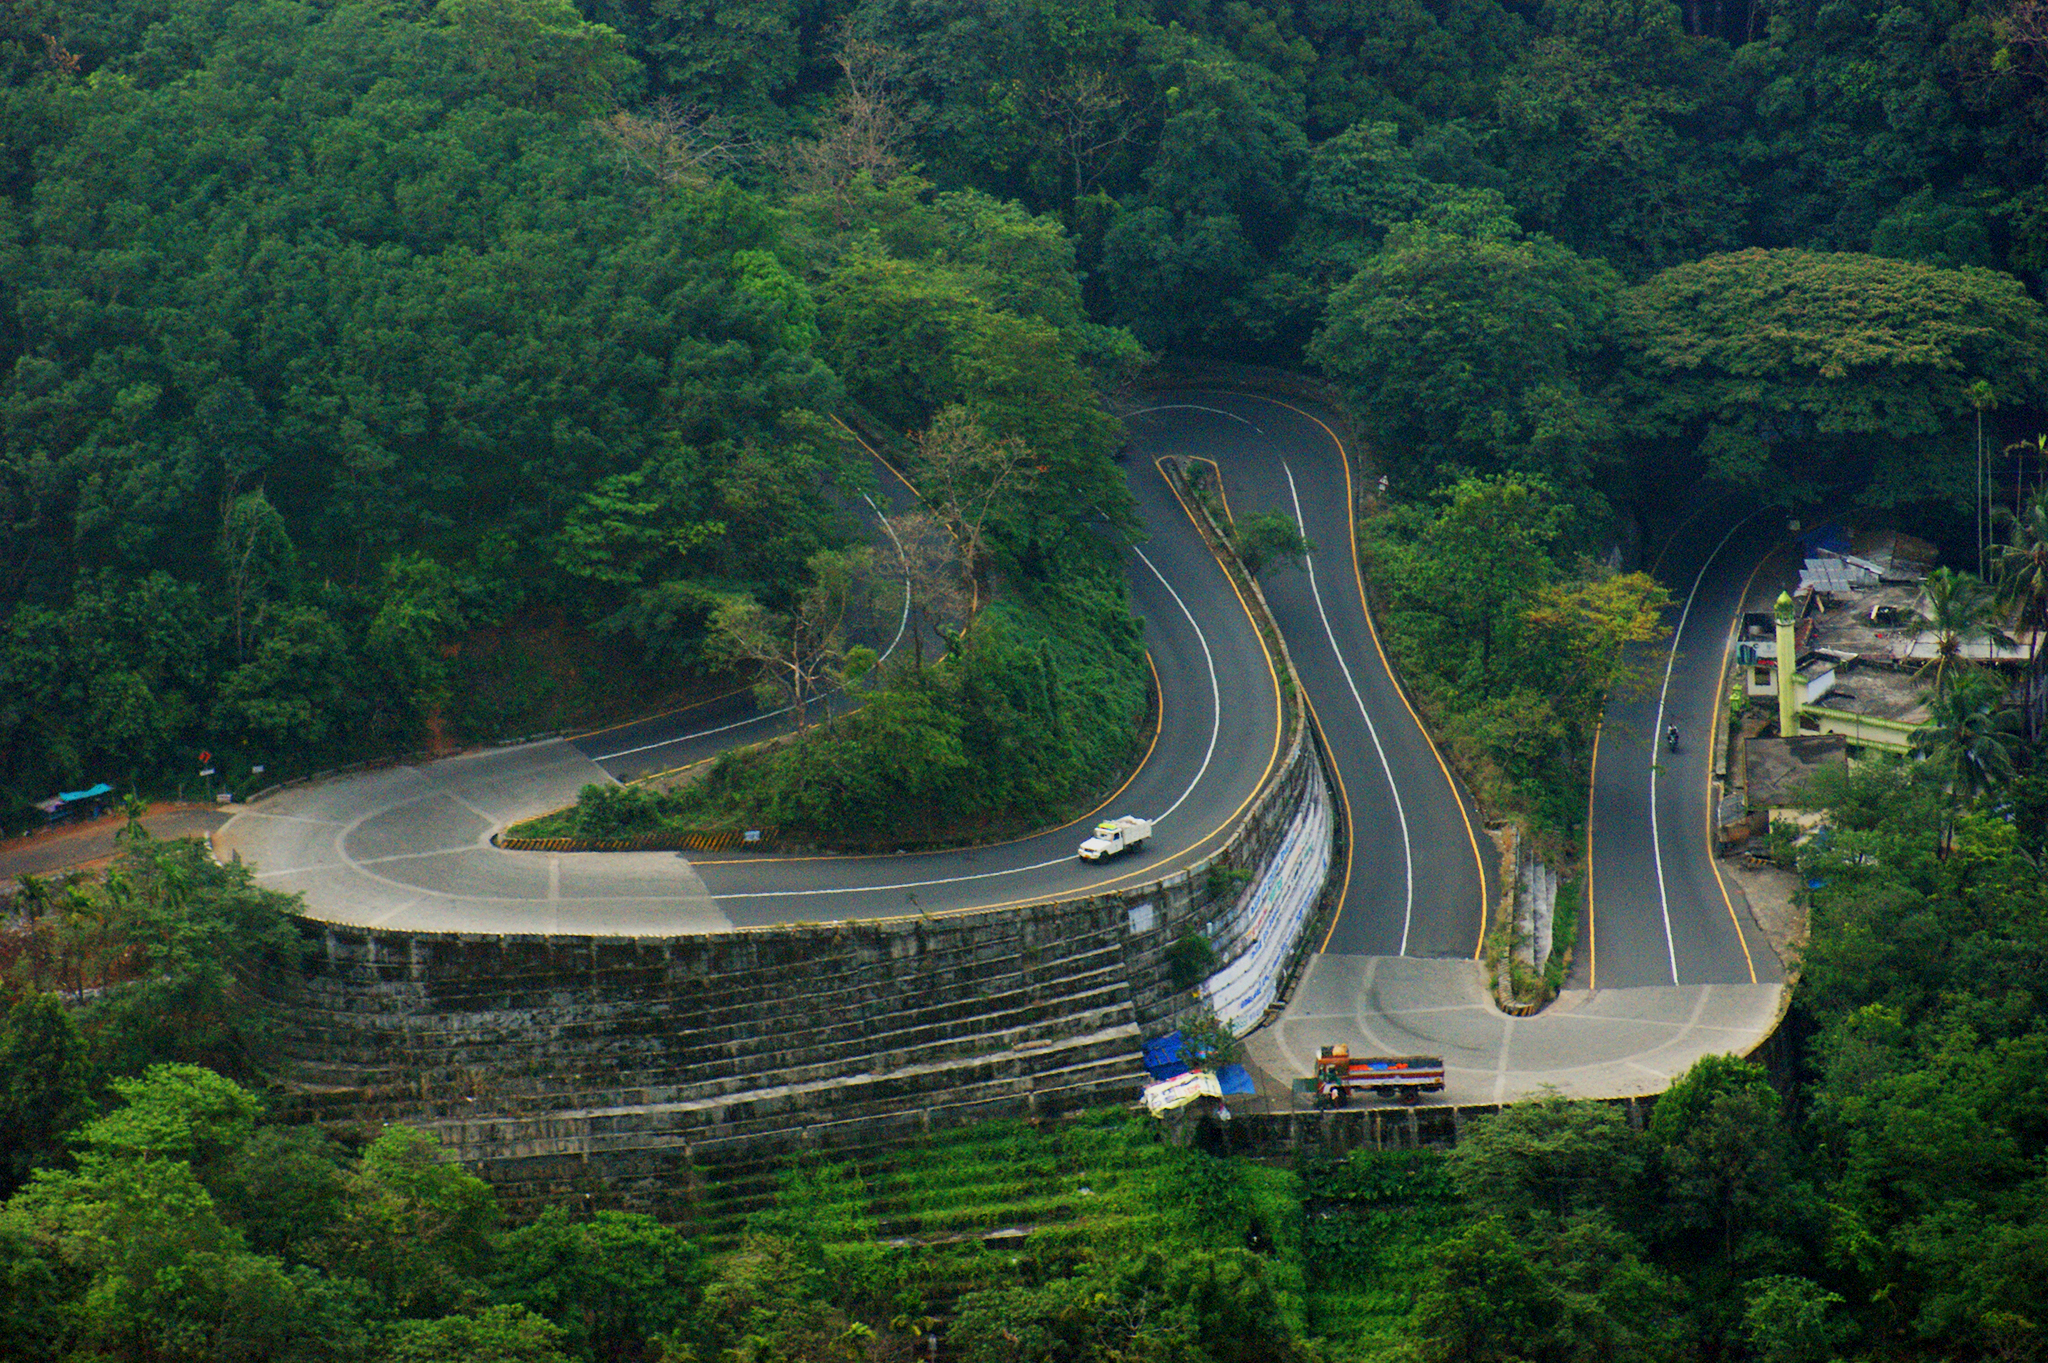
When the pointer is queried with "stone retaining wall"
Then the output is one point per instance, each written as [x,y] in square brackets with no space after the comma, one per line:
[608,1069]
[608,1066]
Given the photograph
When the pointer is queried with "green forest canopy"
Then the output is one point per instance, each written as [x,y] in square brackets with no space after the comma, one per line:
[367,368]
[380,375]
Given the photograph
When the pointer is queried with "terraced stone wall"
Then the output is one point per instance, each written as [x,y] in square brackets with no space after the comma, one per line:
[608,1068]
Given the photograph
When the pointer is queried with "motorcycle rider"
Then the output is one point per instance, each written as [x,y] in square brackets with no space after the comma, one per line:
[1671,737]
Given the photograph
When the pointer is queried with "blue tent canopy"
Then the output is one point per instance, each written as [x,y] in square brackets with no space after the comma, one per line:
[1162,1057]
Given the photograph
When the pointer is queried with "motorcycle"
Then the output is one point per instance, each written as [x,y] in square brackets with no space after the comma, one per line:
[1671,738]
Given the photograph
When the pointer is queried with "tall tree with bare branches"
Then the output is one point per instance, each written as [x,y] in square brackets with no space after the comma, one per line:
[860,135]
[1087,115]
[935,572]
[673,144]
[968,476]
[801,653]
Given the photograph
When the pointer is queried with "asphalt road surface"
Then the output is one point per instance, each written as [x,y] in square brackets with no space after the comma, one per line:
[1669,961]
[1660,912]
[1416,883]
[409,847]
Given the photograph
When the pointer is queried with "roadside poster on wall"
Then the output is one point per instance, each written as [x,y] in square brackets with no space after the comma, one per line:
[1274,915]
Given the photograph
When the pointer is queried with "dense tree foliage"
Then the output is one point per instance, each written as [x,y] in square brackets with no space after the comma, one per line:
[379,377]
[159,954]
[1775,363]
[1513,644]
[347,357]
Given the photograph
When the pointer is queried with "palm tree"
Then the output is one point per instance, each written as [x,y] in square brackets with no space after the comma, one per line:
[1959,612]
[2022,566]
[1969,743]
[35,894]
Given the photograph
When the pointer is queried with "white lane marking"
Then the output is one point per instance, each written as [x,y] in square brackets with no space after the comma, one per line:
[1657,736]
[381,919]
[490,820]
[1400,812]
[903,557]
[1194,407]
[701,733]
[1215,730]
[1215,688]
[1500,1068]
[902,623]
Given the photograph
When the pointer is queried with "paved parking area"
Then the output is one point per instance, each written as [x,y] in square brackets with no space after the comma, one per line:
[1604,1043]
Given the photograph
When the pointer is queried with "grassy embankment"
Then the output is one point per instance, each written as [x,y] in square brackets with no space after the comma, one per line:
[1006,1206]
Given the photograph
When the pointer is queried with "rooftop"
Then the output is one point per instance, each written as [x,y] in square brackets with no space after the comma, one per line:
[1779,766]
[1869,678]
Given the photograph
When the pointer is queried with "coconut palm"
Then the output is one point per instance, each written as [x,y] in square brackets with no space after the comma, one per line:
[1958,612]
[2022,566]
[1969,743]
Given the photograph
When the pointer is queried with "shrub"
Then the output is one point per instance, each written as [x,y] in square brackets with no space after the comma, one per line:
[605,812]
[1190,961]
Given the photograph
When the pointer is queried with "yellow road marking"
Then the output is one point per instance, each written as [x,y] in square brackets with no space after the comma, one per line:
[1350,824]
[1593,777]
[1727,651]
[1108,800]
[1365,609]
[1592,935]
[1272,760]
[648,719]
[737,690]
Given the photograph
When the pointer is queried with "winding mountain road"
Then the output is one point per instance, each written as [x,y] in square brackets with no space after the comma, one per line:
[409,847]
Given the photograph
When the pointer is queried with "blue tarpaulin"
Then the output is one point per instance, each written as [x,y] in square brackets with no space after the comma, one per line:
[1162,1057]
[72,796]
[1236,1079]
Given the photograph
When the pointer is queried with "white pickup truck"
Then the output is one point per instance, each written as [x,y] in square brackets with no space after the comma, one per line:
[1116,835]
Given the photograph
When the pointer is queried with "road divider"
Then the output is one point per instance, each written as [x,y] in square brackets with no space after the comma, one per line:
[669,840]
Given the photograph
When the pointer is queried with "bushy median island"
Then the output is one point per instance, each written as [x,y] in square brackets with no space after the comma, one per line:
[1511,646]
[1035,714]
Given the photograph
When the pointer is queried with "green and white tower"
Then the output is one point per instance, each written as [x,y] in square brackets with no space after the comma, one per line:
[1785,616]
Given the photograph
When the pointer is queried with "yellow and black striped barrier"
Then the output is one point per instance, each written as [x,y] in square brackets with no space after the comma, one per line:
[675,840]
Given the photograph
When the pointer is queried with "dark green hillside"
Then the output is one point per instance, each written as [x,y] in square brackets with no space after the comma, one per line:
[378,376]
[361,392]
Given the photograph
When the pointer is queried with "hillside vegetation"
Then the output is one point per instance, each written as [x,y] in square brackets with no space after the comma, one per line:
[375,376]
[1879,1196]
[384,378]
